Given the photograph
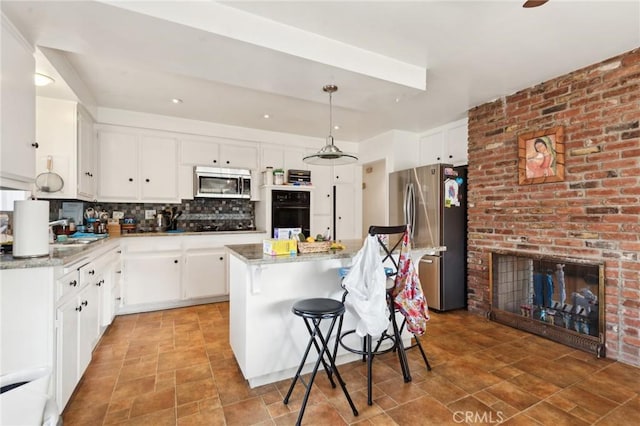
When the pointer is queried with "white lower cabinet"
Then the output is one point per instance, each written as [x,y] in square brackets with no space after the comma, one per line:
[77,335]
[67,337]
[88,324]
[204,274]
[163,272]
[152,277]
[78,313]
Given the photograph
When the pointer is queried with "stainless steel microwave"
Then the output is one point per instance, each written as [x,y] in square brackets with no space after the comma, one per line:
[215,182]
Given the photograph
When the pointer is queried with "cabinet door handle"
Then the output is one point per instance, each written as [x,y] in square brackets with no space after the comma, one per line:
[328,195]
[221,258]
[35,145]
[92,272]
[228,162]
[215,161]
[130,179]
[451,156]
[73,283]
[118,298]
[85,303]
[147,180]
[99,283]
[175,261]
[79,308]
[118,272]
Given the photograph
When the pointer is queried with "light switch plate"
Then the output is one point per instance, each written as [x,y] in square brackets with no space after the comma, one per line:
[149,214]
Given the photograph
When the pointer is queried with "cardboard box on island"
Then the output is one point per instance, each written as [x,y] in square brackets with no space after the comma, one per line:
[275,247]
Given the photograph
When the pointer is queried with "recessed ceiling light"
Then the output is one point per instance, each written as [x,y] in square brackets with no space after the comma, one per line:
[397,100]
[266,116]
[336,127]
[176,101]
[42,80]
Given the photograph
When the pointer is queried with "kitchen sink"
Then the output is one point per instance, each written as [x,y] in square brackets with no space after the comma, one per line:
[62,246]
[71,243]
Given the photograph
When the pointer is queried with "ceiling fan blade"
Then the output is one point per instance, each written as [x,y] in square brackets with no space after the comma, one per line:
[534,3]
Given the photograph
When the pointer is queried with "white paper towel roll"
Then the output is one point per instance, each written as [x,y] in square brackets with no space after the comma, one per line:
[30,228]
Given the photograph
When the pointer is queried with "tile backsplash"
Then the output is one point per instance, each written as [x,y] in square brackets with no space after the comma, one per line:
[196,214]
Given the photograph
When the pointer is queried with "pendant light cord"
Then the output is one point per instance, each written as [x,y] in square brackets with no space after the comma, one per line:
[331,116]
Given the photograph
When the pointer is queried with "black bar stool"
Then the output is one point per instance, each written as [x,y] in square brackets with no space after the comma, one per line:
[383,236]
[313,311]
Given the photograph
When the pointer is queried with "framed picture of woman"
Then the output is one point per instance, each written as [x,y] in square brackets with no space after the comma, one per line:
[541,156]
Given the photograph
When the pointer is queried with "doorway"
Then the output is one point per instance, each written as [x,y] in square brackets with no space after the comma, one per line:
[374,195]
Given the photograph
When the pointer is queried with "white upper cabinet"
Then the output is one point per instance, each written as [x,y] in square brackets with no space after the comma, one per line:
[293,159]
[199,152]
[136,166]
[218,152]
[118,166]
[344,174]
[456,144]
[17,115]
[239,156]
[66,136]
[87,162]
[322,189]
[446,144]
[158,168]
[431,147]
[271,156]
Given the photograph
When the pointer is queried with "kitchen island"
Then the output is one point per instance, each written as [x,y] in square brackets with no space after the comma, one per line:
[267,339]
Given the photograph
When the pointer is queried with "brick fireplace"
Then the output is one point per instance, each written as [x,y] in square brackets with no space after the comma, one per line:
[593,215]
[558,298]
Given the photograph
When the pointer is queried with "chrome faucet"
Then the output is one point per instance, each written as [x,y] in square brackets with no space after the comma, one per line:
[63,222]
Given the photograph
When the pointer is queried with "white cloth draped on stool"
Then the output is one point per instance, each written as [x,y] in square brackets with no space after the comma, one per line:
[365,284]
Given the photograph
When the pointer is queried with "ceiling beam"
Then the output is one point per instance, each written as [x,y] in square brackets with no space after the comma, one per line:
[232,23]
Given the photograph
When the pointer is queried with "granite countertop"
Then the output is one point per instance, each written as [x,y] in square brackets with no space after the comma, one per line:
[253,253]
[62,254]
[58,255]
[173,233]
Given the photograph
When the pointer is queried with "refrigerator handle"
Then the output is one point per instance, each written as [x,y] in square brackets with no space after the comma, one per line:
[412,209]
[426,260]
[405,204]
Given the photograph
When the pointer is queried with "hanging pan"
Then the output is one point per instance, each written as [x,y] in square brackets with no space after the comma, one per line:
[49,181]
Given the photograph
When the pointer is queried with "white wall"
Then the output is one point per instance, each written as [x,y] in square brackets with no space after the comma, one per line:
[397,147]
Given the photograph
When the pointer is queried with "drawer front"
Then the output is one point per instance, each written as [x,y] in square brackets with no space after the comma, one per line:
[151,244]
[67,283]
[88,273]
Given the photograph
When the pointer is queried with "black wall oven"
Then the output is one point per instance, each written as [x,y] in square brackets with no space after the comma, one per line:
[291,209]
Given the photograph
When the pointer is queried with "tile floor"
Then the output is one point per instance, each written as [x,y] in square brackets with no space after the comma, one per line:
[176,367]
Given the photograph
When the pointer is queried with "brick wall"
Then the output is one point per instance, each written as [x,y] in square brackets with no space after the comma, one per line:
[593,214]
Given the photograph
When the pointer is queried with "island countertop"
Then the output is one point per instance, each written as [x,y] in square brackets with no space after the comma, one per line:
[253,253]
[267,339]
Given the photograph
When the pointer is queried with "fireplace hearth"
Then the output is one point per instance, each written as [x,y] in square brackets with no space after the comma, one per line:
[558,298]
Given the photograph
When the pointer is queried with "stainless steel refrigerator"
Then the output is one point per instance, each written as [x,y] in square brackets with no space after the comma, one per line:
[432,199]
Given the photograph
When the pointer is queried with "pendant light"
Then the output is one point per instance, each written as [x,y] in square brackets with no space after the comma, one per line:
[330,154]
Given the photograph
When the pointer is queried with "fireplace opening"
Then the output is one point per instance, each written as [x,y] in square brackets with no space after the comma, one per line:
[558,298]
